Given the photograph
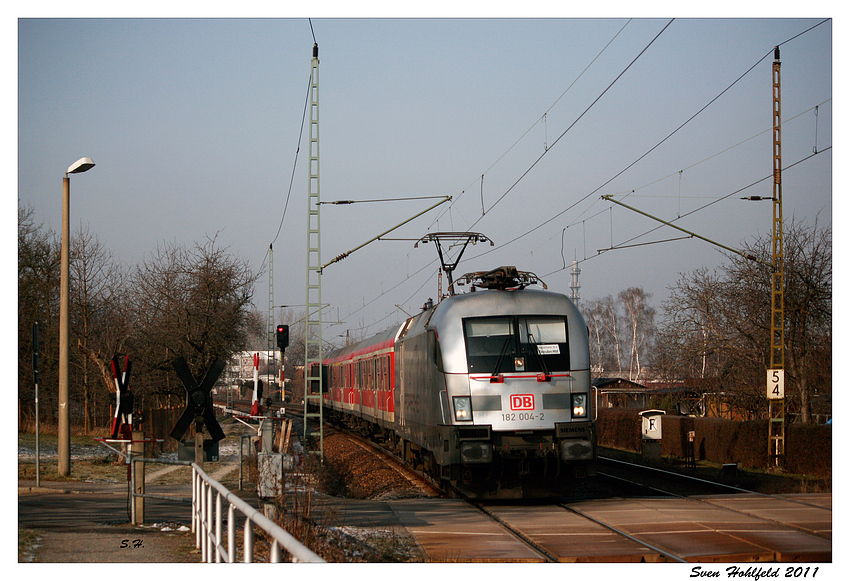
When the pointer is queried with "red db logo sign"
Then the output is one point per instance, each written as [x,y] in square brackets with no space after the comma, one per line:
[522,401]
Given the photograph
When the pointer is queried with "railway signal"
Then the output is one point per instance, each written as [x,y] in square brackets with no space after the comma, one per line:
[257,397]
[282,336]
[198,401]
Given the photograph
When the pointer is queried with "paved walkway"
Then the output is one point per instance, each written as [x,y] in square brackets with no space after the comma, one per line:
[86,522]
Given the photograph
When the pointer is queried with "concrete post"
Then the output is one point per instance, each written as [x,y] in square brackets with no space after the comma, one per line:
[64,444]
[199,445]
[138,449]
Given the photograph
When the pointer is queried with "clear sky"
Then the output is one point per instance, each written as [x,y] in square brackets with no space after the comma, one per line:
[194,126]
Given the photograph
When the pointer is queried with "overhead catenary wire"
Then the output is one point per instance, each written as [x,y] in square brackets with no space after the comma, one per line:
[297,151]
[527,131]
[295,162]
[589,107]
[695,210]
[618,174]
[558,139]
[573,205]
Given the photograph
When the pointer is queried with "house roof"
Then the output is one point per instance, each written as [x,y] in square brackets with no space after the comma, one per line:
[617,383]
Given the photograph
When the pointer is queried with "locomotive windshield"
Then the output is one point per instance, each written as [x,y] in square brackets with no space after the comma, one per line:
[516,343]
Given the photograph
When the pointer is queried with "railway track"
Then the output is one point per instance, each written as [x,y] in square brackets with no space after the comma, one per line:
[641,514]
[703,491]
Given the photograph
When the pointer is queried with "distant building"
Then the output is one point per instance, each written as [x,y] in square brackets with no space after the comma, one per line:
[616,392]
[241,366]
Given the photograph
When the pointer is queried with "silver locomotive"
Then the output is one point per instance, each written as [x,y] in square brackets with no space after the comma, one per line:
[488,390]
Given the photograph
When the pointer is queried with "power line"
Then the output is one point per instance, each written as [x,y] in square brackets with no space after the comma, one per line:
[533,125]
[625,243]
[311,31]
[294,163]
[547,150]
[642,156]
[579,118]
[571,206]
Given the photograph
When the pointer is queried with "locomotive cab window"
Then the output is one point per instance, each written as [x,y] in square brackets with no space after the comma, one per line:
[543,340]
[516,344]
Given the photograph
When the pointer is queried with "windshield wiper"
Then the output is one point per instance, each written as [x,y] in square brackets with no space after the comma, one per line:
[533,345]
[502,355]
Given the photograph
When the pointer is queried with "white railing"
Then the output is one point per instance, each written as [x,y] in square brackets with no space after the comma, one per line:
[208,498]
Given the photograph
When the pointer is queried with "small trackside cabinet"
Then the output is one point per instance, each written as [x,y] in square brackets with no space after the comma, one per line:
[651,433]
[651,424]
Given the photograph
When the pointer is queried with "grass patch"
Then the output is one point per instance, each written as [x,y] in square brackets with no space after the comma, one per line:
[27,543]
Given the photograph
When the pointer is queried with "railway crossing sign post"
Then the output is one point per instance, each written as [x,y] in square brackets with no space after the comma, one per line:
[198,407]
[123,419]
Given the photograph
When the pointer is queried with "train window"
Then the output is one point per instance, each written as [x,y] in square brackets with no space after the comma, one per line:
[543,330]
[543,341]
[496,344]
[490,344]
[405,328]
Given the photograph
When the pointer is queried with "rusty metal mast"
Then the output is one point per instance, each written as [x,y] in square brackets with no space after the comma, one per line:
[776,372]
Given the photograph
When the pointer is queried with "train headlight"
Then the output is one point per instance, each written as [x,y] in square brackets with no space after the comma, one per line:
[463,408]
[579,405]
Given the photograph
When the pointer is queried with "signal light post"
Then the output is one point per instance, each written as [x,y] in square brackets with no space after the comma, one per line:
[282,337]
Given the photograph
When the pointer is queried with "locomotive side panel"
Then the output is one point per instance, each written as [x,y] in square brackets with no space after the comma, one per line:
[418,384]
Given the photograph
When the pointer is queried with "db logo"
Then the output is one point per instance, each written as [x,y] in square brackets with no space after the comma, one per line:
[522,401]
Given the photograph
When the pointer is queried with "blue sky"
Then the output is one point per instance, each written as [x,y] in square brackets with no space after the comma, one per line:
[194,126]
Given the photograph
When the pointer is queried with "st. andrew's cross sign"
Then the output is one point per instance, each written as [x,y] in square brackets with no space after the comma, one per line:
[124,399]
[199,406]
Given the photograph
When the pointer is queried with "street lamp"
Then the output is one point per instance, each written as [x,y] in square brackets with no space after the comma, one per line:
[79,166]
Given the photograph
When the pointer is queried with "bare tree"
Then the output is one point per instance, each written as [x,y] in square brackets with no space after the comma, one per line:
[612,328]
[101,327]
[720,322]
[594,317]
[617,325]
[639,322]
[38,302]
[192,303]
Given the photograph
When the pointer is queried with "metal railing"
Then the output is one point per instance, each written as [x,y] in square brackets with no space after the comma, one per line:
[208,498]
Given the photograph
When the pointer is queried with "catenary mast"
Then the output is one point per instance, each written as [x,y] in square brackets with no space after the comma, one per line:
[776,372]
[313,326]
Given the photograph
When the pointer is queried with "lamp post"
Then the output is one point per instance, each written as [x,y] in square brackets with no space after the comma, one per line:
[79,166]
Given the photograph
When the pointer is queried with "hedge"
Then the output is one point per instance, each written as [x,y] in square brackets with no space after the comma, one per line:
[808,448]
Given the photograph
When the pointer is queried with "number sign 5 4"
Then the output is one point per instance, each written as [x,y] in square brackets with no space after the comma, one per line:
[775,384]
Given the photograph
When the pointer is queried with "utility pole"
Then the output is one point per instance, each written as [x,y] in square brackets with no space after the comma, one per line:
[776,371]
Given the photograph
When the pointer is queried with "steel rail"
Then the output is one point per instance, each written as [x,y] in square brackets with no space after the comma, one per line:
[516,533]
[711,482]
[667,555]
[727,508]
